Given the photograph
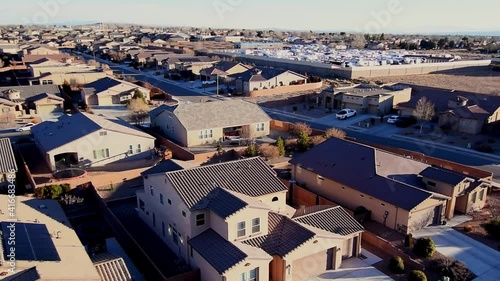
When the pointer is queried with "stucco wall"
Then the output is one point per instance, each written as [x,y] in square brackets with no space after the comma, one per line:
[285,89]
[247,215]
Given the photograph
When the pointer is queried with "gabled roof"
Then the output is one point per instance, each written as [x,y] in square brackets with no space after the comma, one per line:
[471,112]
[285,235]
[29,91]
[162,167]
[7,159]
[251,177]
[227,65]
[217,251]
[44,96]
[443,175]
[212,71]
[221,202]
[263,74]
[354,165]
[335,220]
[216,114]
[6,102]
[103,84]
[68,128]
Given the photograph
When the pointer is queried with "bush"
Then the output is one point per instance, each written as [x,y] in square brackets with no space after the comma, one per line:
[52,191]
[251,151]
[269,151]
[493,227]
[397,265]
[317,140]
[417,275]
[424,247]
[303,142]
[455,270]
[409,241]
[335,133]
[280,144]
[291,144]
[468,228]
[298,129]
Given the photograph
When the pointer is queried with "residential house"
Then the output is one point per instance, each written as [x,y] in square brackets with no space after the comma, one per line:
[8,109]
[8,166]
[266,78]
[223,69]
[19,100]
[44,104]
[395,189]
[46,246]
[42,50]
[110,91]
[86,140]
[192,124]
[462,112]
[235,225]
[193,64]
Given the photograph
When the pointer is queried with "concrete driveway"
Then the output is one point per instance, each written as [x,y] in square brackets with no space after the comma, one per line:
[355,269]
[479,258]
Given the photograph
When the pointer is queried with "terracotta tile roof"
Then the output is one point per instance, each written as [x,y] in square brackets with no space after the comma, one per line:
[335,220]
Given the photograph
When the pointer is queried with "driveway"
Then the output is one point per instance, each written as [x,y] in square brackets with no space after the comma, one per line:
[479,258]
[355,269]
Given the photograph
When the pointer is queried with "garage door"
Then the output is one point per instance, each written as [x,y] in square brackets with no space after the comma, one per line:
[310,266]
[46,109]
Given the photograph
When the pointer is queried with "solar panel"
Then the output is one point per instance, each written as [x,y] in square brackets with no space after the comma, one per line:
[32,242]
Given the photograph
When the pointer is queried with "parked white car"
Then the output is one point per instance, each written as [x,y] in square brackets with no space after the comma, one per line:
[25,127]
[346,113]
[392,119]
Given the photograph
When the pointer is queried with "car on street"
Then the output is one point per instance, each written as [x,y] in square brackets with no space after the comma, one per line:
[346,113]
[25,127]
[392,119]
[405,121]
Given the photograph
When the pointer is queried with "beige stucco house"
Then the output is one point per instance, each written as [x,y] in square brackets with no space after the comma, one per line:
[395,189]
[45,104]
[110,91]
[235,225]
[20,100]
[193,124]
[46,247]
[224,69]
[83,140]
[266,78]
[468,119]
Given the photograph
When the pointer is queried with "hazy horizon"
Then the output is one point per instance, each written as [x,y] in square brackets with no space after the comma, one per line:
[363,16]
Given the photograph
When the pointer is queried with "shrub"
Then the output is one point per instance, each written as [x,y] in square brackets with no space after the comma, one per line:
[468,228]
[409,241]
[455,270]
[317,140]
[269,151]
[493,227]
[298,129]
[303,142]
[417,275]
[291,144]
[397,265]
[52,191]
[424,247]
[280,144]
[251,151]
[335,133]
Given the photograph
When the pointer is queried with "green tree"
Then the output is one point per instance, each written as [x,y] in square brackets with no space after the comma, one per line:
[219,147]
[424,247]
[280,143]
[452,44]
[303,141]
[442,43]
[251,150]
[417,275]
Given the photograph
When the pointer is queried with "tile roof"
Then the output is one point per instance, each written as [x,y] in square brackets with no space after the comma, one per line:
[217,251]
[7,159]
[103,84]
[221,202]
[216,114]
[162,167]
[335,220]
[285,235]
[443,175]
[6,102]
[262,74]
[29,91]
[471,112]
[43,96]
[251,177]
[354,165]
[68,128]
[110,267]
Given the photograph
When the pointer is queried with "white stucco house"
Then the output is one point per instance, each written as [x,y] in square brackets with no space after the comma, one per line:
[83,140]
[110,91]
[231,221]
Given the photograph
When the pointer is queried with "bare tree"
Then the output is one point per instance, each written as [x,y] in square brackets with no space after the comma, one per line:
[246,134]
[137,105]
[424,111]
[298,128]
[335,133]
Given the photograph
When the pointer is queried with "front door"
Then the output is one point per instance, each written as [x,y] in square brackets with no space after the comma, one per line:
[330,259]
[437,215]
[355,246]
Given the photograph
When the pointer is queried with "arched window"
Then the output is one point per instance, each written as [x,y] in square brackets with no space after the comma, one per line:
[275,199]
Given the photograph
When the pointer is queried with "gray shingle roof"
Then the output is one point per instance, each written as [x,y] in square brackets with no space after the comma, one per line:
[29,91]
[162,167]
[335,220]
[7,159]
[252,177]
[217,251]
[262,74]
[354,165]
[285,235]
[217,114]
[43,96]
[103,84]
[68,128]
[221,202]
[443,175]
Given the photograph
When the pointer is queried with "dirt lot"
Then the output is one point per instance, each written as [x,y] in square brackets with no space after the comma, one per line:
[480,218]
[482,80]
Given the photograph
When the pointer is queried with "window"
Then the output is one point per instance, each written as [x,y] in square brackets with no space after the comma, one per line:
[260,127]
[154,220]
[101,154]
[183,214]
[151,190]
[256,225]
[138,149]
[130,149]
[206,134]
[169,202]
[481,195]
[161,198]
[163,229]
[249,276]
[275,199]
[47,82]
[473,197]
[241,229]
[103,133]
[200,219]
[431,183]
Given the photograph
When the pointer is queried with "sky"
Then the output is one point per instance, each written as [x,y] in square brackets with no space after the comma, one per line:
[364,16]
